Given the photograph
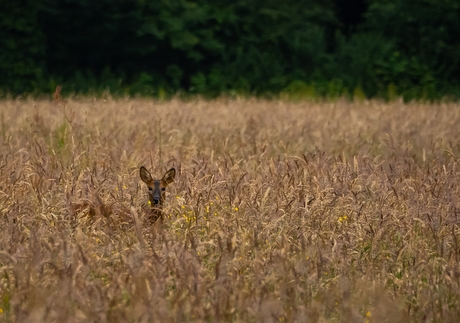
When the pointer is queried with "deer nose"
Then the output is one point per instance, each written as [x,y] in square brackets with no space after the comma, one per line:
[156,200]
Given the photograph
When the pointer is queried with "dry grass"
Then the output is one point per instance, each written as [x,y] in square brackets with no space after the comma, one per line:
[281,212]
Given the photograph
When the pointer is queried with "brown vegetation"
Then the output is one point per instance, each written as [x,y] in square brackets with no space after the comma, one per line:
[280,212]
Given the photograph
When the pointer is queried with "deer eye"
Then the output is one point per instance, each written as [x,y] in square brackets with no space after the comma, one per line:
[163,189]
[150,189]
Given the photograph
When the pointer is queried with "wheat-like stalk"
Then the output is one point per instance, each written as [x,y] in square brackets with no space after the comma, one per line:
[286,212]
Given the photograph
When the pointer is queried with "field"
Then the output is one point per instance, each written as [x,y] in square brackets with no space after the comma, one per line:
[280,211]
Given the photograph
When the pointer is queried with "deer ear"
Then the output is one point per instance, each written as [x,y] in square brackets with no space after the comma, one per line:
[145,175]
[168,178]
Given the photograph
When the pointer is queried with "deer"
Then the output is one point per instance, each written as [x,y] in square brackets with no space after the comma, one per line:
[157,190]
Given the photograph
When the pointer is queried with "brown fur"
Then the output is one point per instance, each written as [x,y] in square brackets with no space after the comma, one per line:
[157,190]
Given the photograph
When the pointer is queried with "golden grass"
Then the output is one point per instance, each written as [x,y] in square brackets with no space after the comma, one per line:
[281,212]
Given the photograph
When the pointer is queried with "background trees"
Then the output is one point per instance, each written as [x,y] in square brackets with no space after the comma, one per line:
[330,48]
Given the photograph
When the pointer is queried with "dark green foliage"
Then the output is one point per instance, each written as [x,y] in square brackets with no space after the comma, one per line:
[22,46]
[425,35]
[154,48]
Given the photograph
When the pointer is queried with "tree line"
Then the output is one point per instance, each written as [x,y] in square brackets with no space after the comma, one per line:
[328,48]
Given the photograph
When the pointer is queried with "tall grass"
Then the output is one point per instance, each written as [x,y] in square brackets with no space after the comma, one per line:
[281,212]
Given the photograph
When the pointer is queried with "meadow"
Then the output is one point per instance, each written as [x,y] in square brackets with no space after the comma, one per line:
[280,211]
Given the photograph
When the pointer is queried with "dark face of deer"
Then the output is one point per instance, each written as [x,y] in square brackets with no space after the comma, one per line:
[157,187]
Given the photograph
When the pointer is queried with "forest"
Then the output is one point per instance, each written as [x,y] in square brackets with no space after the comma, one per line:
[299,48]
